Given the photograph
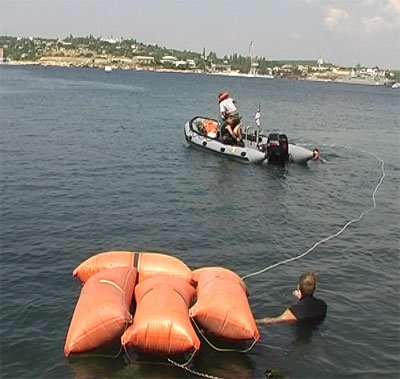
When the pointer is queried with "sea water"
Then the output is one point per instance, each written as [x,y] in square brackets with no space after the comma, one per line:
[94,161]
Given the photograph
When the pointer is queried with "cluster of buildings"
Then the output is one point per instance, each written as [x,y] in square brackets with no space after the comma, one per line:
[318,72]
[137,62]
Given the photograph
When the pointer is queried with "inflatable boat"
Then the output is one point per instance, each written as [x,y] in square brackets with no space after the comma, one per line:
[257,148]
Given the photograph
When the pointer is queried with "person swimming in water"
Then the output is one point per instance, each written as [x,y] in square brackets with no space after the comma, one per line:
[316,154]
[308,308]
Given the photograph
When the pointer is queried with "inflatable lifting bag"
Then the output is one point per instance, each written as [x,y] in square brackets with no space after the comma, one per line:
[161,324]
[102,311]
[222,307]
[148,265]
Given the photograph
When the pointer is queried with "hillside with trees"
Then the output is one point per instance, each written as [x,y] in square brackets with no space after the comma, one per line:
[94,51]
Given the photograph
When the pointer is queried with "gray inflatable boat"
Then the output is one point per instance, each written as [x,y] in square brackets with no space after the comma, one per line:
[257,148]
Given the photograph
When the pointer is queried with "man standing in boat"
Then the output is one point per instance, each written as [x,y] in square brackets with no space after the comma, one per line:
[230,117]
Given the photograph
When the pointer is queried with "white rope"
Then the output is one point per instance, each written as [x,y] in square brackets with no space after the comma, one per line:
[221,349]
[106,281]
[362,214]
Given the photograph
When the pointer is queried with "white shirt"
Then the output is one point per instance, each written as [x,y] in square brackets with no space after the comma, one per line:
[227,107]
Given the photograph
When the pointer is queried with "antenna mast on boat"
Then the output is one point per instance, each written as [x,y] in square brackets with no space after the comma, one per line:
[257,117]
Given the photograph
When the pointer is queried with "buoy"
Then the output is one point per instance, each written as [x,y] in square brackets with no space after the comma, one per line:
[102,311]
[161,323]
[222,307]
[149,264]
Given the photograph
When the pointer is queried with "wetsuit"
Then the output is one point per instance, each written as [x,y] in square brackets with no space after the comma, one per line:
[309,308]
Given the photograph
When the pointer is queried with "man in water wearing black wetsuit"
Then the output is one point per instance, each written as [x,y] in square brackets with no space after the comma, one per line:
[308,308]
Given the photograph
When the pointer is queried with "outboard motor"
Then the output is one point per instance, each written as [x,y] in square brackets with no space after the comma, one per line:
[277,149]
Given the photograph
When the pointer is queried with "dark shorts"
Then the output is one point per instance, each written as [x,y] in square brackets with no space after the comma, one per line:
[232,120]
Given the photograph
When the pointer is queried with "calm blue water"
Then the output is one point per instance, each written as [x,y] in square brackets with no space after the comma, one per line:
[93,162]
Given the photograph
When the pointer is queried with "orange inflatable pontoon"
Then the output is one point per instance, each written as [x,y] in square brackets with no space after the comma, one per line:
[102,311]
[161,323]
[222,307]
[149,264]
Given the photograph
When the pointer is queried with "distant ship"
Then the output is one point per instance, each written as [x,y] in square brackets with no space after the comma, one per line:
[107,68]
[243,75]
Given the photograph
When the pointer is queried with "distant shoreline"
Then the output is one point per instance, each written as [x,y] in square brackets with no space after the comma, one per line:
[351,81]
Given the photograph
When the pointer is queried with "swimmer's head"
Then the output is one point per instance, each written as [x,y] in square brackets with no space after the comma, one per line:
[307,283]
[316,154]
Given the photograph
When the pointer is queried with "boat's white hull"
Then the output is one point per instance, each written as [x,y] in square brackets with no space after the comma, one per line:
[247,154]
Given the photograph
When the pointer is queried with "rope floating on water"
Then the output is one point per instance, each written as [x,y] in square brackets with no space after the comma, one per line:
[362,214]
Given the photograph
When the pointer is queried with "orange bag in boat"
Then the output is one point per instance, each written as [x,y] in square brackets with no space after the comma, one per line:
[210,127]
[102,311]
[148,265]
[161,324]
[222,307]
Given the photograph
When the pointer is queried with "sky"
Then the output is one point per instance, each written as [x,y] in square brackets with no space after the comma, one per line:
[342,32]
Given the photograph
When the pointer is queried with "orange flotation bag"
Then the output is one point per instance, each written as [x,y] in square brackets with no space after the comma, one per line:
[210,127]
[161,324]
[148,264]
[102,311]
[222,307]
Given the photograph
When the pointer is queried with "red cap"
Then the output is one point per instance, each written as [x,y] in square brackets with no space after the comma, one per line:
[222,96]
